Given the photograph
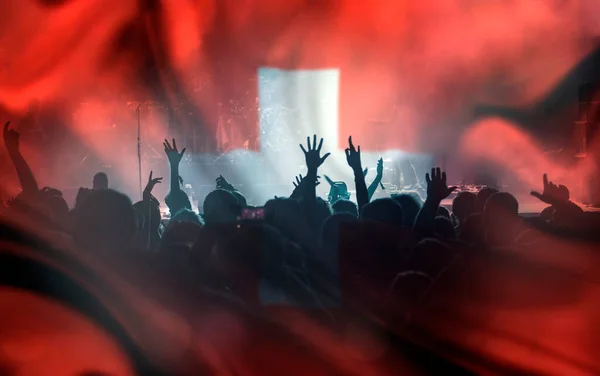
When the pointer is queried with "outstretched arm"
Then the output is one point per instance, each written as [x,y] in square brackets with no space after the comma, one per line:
[353,159]
[147,195]
[26,177]
[560,198]
[377,181]
[174,157]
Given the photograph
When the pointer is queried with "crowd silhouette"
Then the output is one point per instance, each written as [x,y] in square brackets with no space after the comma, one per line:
[302,284]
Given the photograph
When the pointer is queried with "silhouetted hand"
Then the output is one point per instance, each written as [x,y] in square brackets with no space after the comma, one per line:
[437,189]
[300,187]
[222,183]
[147,195]
[365,172]
[353,156]
[300,180]
[11,138]
[313,154]
[380,167]
[553,194]
[172,153]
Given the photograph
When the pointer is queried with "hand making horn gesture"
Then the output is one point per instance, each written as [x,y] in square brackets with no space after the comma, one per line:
[353,156]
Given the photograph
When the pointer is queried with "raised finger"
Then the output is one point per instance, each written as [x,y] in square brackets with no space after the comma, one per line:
[320,145]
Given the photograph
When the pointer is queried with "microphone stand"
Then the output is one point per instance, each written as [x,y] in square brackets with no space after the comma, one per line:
[139,149]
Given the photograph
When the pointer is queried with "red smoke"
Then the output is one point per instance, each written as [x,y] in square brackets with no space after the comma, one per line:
[420,65]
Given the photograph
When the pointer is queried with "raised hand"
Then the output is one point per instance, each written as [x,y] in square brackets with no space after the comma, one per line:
[11,138]
[313,154]
[380,167]
[222,183]
[353,156]
[172,153]
[300,180]
[553,194]
[437,189]
[150,186]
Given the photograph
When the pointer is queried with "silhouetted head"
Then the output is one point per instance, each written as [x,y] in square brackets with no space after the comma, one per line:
[179,237]
[345,206]
[105,221]
[241,199]
[321,212]
[47,208]
[500,218]
[384,210]
[177,201]
[57,209]
[463,205]
[444,228]
[280,210]
[482,197]
[411,204]
[286,215]
[221,207]
[187,215]
[100,181]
